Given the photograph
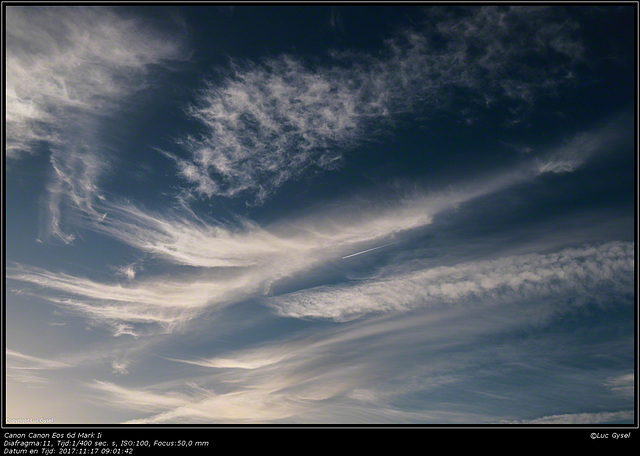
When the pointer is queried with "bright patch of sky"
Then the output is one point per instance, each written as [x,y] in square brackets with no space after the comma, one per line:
[320,214]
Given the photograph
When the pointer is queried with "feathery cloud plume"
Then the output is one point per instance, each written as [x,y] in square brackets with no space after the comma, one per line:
[270,122]
[30,369]
[66,62]
[159,302]
[182,237]
[68,69]
[358,372]
[575,271]
[245,260]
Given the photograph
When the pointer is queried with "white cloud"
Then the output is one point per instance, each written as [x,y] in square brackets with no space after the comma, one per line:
[360,372]
[184,238]
[364,370]
[271,122]
[139,399]
[251,362]
[167,303]
[623,385]
[241,260]
[76,172]
[575,151]
[119,366]
[63,61]
[21,361]
[255,391]
[30,369]
[576,272]
[582,418]
[128,271]
[67,70]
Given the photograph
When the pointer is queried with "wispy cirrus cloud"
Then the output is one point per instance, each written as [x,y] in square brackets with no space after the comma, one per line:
[582,418]
[267,384]
[581,147]
[28,369]
[182,237]
[576,272]
[67,70]
[248,406]
[242,259]
[623,384]
[140,399]
[159,302]
[270,122]
[64,63]
[22,361]
[364,372]
[500,297]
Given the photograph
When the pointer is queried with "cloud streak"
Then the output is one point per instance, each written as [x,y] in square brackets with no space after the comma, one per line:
[462,285]
[575,273]
[161,302]
[582,418]
[29,369]
[623,385]
[64,61]
[239,260]
[184,238]
[364,372]
[68,70]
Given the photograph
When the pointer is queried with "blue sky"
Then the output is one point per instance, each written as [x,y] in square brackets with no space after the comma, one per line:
[320,214]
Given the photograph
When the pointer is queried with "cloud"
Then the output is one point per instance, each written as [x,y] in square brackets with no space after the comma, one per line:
[623,385]
[270,122]
[27,369]
[231,363]
[63,61]
[578,149]
[582,418]
[252,387]
[198,404]
[573,272]
[163,302]
[76,172]
[68,69]
[182,237]
[139,399]
[421,324]
[364,370]
[240,259]
[28,362]
[129,271]
[370,370]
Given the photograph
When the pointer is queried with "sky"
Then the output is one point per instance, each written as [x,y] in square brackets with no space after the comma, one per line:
[296,214]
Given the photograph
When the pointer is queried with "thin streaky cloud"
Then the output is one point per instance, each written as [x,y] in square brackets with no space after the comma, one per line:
[623,385]
[137,399]
[21,361]
[184,238]
[69,69]
[302,379]
[258,256]
[582,418]
[412,215]
[30,370]
[65,60]
[576,271]
[230,363]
